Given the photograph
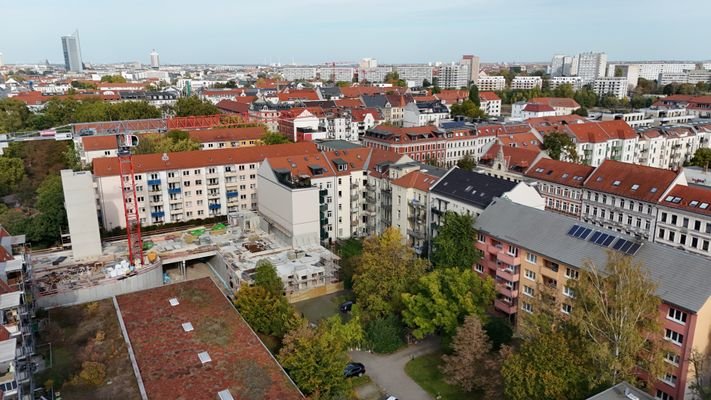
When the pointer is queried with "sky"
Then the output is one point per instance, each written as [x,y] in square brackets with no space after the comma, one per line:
[319,31]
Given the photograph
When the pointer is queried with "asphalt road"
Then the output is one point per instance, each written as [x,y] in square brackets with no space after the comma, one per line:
[388,371]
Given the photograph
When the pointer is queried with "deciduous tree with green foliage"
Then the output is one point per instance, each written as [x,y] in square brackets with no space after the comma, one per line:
[12,172]
[474,95]
[173,141]
[113,79]
[266,312]
[265,275]
[270,138]
[472,365]
[468,109]
[617,309]
[441,300]
[387,268]
[52,216]
[467,163]
[454,244]
[315,358]
[14,115]
[560,146]
[188,106]
[702,158]
[384,335]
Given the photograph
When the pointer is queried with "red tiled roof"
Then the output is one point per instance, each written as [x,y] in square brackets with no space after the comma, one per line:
[356,160]
[695,199]
[358,114]
[228,134]
[5,255]
[425,98]
[416,180]
[489,96]
[631,180]
[536,108]
[233,106]
[96,143]
[556,102]
[380,156]
[168,356]
[451,96]
[517,157]
[597,132]
[115,86]
[403,134]
[564,173]
[306,94]
[348,103]
[202,158]
[239,92]
[520,140]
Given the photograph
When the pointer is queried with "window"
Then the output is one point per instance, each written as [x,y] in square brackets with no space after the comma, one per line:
[568,292]
[663,396]
[479,268]
[664,217]
[512,251]
[481,238]
[661,233]
[674,337]
[532,258]
[676,315]
[566,308]
[530,275]
[528,291]
[571,273]
[527,307]
[673,219]
[672,358]
[669,379]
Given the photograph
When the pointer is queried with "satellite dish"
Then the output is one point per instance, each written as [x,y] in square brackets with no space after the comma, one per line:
[165,157]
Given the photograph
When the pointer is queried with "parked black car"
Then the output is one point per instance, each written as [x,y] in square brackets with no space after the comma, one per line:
[354,369]
[346,307]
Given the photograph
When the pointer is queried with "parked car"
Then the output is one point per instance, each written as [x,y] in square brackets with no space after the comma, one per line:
[354,369]
[346,307]
[87,132]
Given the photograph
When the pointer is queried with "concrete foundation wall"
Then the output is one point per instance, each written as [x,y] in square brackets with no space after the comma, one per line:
[146,280]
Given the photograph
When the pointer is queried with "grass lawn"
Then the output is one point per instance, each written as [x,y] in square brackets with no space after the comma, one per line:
[425,371]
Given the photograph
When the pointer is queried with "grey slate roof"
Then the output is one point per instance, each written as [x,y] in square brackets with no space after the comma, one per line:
[472,187]
[684,279]
[328,92]
[619,392]
[376,100]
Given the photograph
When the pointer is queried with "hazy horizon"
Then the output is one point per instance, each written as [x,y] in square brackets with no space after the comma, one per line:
[320,31]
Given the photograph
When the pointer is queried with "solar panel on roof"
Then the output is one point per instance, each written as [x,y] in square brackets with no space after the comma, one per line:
[601,238]
[573,229]
[595,236]
[626,246]
[585,233]
[633,250]
[619,243]
[607,241]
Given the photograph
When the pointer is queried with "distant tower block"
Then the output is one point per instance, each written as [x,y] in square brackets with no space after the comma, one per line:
[2,62]
[155,59]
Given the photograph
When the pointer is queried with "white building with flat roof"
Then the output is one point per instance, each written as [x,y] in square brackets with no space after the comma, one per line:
[491,83]
[526,82]
[614,86]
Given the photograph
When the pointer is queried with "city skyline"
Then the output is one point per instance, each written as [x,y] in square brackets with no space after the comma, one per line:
[317,31]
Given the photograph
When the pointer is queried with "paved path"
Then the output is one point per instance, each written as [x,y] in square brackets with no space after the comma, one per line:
[388,371]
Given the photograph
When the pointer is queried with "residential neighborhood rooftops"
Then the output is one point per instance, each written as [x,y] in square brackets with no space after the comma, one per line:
[684,278]
[472,187]
[516,157]
[416,180]
[631,180]
[562,172]
[556,102]
[537,108]
[220,353]
[694,199]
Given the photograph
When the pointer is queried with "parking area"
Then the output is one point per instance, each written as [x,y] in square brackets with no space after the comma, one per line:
[322,307]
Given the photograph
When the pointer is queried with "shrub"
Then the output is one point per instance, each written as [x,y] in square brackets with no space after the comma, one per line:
[499,332]
[93,373]
[384,335]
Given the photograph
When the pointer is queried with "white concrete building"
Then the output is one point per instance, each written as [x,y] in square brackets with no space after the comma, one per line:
[526,82]
[415,73]
[472,62]
[410,205]
[424,113]
[454,76]
[299,73]
[491,83]
[373,74]
[155,59]
[80,203]
[591,66]
[651,71]
[611,86]
[575,81]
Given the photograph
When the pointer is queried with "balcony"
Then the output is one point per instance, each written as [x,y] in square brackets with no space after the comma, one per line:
[324,234]
[173,190]
[494,248]
[437,211]
[158,214]
[155,199]
[507,258]
[214,206]
[152,182]
[416,203]
[481,246]
[232,194]
[213,183]
[355,197]
[504,306]
[324,220]
[507,274]
[416,233]
[506,290]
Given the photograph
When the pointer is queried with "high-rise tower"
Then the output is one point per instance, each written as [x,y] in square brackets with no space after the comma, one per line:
[72,53]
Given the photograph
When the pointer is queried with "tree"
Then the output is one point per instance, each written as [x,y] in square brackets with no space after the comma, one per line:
[426,83]
[468,109]
[559,145]
[467,163]
[617,309]
[187,106]
[564,90]
[586,97]
[265,275]
[472,366]
[454,244]
[384,335]
[270,138]
[474,95]
[442,299]
[315,359]
[12,172]
[14,115]
[702,158]
[387,268]
[582,111]
[265,312]
[173,141]
[113,79]
[52,216]
[393,78]
[700,386]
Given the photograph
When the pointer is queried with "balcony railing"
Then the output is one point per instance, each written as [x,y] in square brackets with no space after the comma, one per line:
[505,307]
[506,290]
[214,206]
[507,258]
[508,274]
[152,182]
[173,190]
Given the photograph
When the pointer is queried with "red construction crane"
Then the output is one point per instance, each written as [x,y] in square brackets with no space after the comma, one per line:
[332,64]
[125,142]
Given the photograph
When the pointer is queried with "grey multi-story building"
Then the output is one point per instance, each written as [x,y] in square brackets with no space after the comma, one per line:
[72,53]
